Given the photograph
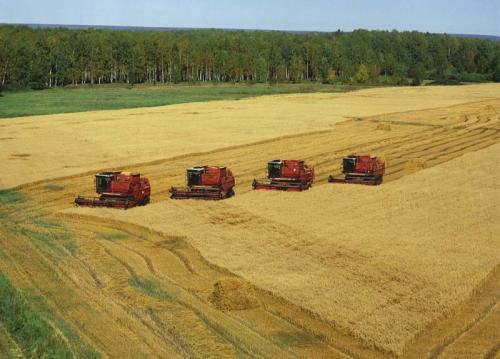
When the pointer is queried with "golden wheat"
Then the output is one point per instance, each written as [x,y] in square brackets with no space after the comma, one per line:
[381,265]
[382,262]
[67,144]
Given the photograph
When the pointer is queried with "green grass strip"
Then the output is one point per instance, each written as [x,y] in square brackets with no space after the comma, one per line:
[150,288]
[112,97]
[112,236]
[27,328]
[10,196]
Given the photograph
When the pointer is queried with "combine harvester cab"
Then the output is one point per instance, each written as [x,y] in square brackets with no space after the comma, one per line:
[118,190]
[206,182]
[286,175]
[367,170]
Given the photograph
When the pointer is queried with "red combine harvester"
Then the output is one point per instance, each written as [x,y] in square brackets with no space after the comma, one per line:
[364,169]
[286,175]
[206,182]
[118,190]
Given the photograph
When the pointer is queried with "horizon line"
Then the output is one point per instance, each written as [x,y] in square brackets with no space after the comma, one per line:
[184,28]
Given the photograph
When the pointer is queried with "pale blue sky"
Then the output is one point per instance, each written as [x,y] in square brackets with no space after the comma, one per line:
[450,16]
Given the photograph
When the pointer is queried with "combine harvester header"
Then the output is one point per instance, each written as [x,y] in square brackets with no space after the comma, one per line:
[286,175]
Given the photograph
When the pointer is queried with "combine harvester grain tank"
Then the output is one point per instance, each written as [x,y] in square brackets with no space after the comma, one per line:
[286,175]
[118,190]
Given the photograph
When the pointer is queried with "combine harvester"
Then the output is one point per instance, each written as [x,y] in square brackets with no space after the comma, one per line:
[206,182]
[364,169]
[286,175]
[118,190]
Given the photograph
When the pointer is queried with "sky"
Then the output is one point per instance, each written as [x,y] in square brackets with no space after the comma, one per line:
[438,16]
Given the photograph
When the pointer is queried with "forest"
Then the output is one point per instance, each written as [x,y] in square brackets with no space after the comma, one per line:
[47,58]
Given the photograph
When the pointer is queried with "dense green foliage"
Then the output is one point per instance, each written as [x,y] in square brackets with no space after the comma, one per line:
[54,57]
[108,97]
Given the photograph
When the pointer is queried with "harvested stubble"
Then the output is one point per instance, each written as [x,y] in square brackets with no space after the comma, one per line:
[383,127]
[416,163]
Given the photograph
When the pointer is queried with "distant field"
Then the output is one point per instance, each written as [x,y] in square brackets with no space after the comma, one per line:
[107,97]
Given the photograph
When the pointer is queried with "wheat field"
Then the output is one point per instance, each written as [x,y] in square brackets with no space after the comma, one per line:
[408,269]
[381,262]
[43,147]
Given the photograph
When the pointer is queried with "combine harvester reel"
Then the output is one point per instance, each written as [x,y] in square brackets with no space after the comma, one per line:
[118,190]
[363,169]
[286,175]
[206,182]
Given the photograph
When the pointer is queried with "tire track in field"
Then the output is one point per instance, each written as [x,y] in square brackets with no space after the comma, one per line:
[56,282]
[143,238]
[135,303]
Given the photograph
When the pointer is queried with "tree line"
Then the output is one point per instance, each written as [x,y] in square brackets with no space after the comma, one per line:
[41,58]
